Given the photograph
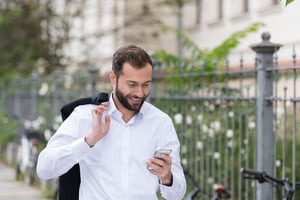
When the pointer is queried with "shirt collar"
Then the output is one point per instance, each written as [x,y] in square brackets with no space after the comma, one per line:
[113,109]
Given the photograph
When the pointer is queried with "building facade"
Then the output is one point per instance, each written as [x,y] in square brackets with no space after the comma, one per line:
[106,25]
[103,26]
[218,19]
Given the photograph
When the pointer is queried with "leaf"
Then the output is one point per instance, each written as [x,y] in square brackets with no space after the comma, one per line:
[288,2]
[222,51]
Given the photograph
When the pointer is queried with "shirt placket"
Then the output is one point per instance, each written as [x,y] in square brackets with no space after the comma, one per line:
[125,162]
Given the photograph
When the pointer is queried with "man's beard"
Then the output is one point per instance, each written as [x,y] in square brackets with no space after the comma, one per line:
[123,100]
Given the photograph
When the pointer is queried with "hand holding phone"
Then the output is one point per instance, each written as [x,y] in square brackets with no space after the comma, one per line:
[160,151]
[158,154]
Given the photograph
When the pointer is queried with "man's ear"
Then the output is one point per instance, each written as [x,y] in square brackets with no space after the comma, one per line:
[112,77]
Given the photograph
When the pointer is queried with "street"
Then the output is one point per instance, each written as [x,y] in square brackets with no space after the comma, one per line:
[10,189]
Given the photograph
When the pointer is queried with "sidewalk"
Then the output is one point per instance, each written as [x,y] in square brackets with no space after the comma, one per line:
[10,189]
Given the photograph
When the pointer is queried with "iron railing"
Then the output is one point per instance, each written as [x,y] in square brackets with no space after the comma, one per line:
[231,119]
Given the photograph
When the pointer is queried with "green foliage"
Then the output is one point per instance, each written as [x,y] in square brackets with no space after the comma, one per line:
[7,129]
[197,60]
[33,35]
[223,50]
[49,193]
[21,45]
[288,2]
[194,54]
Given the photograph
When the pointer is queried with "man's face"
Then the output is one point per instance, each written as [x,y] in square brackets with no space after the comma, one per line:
[133,86]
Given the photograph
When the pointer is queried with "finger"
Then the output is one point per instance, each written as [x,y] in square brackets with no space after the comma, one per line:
[102,107]
[105,103]
[167,159]
[151,166]
[99,109]
[155,171]
[107,121]
[159,162]
[96,113]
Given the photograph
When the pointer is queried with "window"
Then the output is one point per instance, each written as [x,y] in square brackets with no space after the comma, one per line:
[268,3]
[213,10]
[238,7]
[198,11]
[267,7]
[246,6]
[220,9]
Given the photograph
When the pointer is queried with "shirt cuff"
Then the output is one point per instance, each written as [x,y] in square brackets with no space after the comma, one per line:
[168,185]
[79,149]
[171,192]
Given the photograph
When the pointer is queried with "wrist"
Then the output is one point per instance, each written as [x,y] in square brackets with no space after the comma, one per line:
[88,141]
[167,181]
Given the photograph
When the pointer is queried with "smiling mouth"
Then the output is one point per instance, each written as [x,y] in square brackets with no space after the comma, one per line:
[136,99]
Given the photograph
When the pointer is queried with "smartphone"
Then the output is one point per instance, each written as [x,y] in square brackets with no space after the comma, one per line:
[158,154]
[161,151]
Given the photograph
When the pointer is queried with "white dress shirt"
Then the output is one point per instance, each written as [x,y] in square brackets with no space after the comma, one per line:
[115,169]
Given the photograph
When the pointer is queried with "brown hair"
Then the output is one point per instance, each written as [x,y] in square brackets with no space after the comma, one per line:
[135,56]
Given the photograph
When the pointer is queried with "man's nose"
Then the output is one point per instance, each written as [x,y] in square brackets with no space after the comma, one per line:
[139,91]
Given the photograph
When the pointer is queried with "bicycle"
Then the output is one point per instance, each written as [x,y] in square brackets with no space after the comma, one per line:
[263,177]
[220,192]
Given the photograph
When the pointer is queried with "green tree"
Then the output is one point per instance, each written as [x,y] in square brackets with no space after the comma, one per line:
[33,35]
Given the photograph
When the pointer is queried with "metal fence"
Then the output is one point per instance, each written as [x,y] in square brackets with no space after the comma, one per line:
[226,119]
[232,119]
[35,102]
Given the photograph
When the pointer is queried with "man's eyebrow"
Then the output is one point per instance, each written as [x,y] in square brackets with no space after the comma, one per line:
[131,81]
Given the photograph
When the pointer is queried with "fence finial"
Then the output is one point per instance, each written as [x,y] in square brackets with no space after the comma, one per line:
[265,46]
[266,36]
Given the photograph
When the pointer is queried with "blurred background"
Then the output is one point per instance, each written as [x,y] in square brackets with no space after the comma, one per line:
[55,51]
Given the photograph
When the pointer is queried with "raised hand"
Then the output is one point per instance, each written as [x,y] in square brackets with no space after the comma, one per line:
[99,129]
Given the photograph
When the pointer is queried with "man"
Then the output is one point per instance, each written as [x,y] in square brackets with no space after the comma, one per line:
[115,141]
